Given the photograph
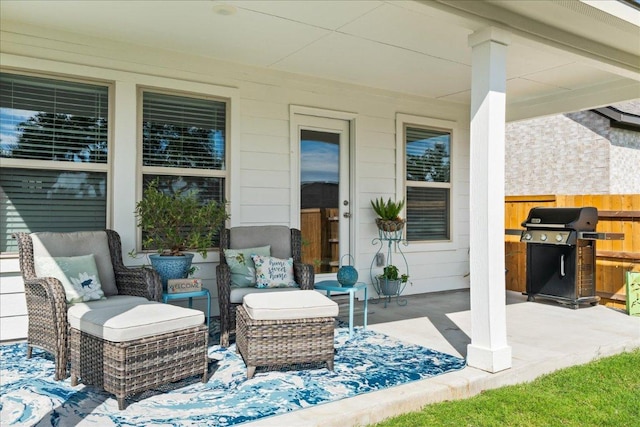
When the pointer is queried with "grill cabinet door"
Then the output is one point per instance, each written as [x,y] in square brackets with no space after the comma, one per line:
[551,270]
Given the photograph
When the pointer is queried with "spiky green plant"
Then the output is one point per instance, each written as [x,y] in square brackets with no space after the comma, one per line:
[389,210]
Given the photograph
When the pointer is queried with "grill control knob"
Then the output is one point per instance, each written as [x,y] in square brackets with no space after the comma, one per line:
[559,238]
[527,236]
[543,237]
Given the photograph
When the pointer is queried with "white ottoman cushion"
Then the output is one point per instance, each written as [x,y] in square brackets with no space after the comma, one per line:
[289,305]
[237,294]
[131,322]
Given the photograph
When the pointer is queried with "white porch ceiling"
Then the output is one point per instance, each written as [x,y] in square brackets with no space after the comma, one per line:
[561,50]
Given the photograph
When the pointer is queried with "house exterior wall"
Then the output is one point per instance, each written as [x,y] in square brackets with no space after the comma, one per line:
[260,174]
[573,153]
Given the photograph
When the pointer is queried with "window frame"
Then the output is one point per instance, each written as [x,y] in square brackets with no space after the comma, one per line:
[64,166]
[174,171]
[402,122]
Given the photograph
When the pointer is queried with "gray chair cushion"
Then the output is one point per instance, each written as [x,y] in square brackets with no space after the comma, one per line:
[48,244]
[277,236]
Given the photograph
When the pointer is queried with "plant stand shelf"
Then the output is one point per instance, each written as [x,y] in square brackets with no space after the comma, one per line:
[390,243]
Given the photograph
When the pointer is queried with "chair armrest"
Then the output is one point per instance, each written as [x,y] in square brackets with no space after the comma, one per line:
[47,302]
[304,275]
[140,282]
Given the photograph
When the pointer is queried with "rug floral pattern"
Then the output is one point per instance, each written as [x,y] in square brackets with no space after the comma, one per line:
[368,362]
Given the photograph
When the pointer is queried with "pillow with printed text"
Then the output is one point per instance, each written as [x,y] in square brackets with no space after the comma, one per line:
[274,272]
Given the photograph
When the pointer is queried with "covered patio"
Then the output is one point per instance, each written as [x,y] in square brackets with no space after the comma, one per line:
[366,71]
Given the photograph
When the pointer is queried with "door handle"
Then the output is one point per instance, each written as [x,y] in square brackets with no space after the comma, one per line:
[562,266]
[347,214]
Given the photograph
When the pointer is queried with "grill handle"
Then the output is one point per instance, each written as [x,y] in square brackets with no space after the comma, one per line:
[562,274]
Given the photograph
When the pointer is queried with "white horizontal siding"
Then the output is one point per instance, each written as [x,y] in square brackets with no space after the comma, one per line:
[259,146]
[13,328]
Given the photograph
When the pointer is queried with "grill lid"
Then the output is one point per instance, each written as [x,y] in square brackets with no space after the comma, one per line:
[580,219]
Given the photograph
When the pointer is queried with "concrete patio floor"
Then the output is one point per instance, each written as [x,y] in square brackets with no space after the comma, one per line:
[544,337]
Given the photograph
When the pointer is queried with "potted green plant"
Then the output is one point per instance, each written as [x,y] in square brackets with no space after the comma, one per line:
[175,222]
[388,214]
[391,282]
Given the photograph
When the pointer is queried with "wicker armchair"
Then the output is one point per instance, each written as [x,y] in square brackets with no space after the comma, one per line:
[46,302]
[255,236]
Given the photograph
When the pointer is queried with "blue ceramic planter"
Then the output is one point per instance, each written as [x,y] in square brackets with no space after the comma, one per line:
[171,267]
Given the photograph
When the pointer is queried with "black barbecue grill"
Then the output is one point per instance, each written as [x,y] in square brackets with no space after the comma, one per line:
[561,254]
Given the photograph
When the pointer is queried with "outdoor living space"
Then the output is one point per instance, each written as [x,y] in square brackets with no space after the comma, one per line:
[372,135]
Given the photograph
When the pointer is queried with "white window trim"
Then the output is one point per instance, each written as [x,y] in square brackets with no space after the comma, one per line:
[403,120]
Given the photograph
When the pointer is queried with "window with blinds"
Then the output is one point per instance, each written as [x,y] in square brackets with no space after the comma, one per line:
[182,132]
[428,184]
[184,144]
[54,150]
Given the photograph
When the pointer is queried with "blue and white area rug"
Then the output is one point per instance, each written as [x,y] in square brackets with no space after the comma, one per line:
[368,362]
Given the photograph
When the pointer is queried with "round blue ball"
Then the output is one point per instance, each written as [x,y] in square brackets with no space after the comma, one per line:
[347,275]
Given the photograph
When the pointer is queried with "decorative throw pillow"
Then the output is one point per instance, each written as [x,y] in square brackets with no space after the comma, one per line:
[78,275]
[243,271]
[274,272]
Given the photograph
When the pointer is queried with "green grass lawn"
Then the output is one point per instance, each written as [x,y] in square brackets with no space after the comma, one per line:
[605,392]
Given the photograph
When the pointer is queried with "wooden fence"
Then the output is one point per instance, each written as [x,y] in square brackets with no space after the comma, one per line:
[616,214]
[319,228]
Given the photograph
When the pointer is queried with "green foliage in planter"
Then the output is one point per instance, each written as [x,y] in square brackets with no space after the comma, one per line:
[391,273]
[388,210]
[173,223]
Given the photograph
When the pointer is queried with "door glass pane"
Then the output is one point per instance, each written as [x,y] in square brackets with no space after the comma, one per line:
[319,199]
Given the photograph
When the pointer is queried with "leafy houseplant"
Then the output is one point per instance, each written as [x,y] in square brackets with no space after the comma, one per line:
[172,223]
[388,214]
[391,281]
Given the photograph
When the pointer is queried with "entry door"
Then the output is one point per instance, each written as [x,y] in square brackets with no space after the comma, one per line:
[324,187]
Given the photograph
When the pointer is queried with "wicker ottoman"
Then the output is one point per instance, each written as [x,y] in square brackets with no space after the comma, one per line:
[283,328]
[128,349]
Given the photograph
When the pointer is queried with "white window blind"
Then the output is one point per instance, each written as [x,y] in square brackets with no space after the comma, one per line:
[45,120]
[183,132]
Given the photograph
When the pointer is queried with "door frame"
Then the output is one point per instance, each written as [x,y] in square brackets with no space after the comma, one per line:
[295,119]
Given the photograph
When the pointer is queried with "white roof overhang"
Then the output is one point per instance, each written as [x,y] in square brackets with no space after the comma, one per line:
[563,56]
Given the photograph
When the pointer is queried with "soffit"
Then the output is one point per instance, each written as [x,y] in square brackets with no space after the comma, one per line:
[414,47]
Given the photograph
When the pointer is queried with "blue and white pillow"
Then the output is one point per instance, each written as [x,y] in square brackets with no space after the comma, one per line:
[243,271]
[274,272]
[78,275]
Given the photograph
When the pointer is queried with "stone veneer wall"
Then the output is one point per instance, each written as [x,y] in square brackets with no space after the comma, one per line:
[573,153]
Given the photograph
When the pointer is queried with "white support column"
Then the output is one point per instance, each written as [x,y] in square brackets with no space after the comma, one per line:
[488,349]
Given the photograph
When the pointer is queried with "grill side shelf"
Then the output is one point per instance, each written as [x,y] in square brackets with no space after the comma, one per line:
[590,235]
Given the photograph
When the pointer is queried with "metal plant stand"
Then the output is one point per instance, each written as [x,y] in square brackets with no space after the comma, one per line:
[391,241]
